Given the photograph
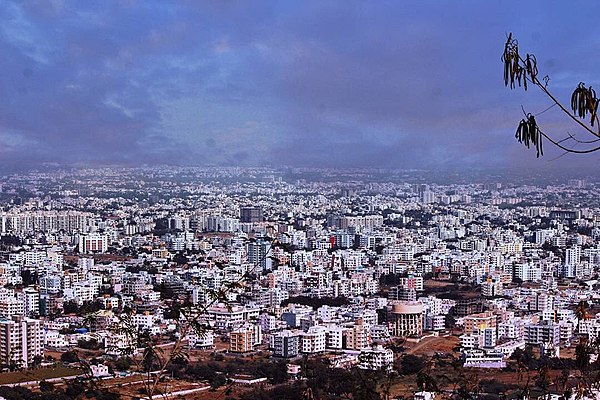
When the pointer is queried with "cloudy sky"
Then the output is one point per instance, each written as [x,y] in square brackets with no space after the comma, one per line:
[327,83]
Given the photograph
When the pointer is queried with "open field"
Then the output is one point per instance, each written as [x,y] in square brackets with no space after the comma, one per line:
[37,375]
[432,345]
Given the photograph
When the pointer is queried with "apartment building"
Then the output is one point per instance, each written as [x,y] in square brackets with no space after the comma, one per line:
[21,341]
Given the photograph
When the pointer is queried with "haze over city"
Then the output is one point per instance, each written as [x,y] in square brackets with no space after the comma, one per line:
[336,84]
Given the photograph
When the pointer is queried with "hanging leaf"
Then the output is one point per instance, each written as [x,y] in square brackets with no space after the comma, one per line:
[584,102]
[518,71]
[510,58]
[529,134]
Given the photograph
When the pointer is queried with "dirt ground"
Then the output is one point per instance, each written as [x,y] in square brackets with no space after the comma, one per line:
[432,345]
[431,283]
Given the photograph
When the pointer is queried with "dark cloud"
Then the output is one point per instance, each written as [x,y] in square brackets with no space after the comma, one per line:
[408,84]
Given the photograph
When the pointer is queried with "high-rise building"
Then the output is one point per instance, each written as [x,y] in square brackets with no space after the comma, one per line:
[479,321]
[50,284]
[21,341]
[573,255]
[93,243]
[12,306]
[492,287]
[574,183]
[546,332]
[243,339]
[402,293]
[258,255]
[31,302]
[572,265]
[251,214]
[286,344]
[376,358]
[428,197]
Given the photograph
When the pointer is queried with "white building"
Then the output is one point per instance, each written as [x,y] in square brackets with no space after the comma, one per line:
[477,358]
[21,341]
[12,306]
[55,340]
[313,341]
[376,358]
[99,370]
[203,340]
[93,243]
[31,302]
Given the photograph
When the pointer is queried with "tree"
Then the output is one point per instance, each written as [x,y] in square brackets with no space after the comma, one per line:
[543,378]
[582,355]
[46,386]
[91,344]
[450,321]
[37,361]
[77,387]
[29,278]
[411,364]
[69,357]
[180,258]
[523,71]
[122,364]
[217,381]
[275,371]
[581,313]
[427,382]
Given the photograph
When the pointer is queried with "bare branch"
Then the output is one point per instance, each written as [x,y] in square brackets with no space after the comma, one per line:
[519,70]
[576,151]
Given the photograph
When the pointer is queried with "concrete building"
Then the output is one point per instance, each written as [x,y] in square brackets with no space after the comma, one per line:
[286,344]
[492,287]
[93,243]
[538,334]
[313,341]
[405,318]
[357,337]
[12,306]
[376,358]
[31,302]
[201,340]
[21,341]
[243,339]
[251,214]
[479,321]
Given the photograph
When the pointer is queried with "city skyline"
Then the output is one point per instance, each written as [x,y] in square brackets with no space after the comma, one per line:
[337,84]
[257,277]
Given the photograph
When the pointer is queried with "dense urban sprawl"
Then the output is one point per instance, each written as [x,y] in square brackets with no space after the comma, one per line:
[357,266]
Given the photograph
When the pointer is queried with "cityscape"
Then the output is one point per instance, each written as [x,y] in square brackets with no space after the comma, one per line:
[299,200]
[245,282]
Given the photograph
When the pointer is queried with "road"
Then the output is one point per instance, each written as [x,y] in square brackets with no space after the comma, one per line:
[36,382]
[181,392]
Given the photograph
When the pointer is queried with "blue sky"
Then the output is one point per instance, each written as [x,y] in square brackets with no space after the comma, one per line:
[311,83]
